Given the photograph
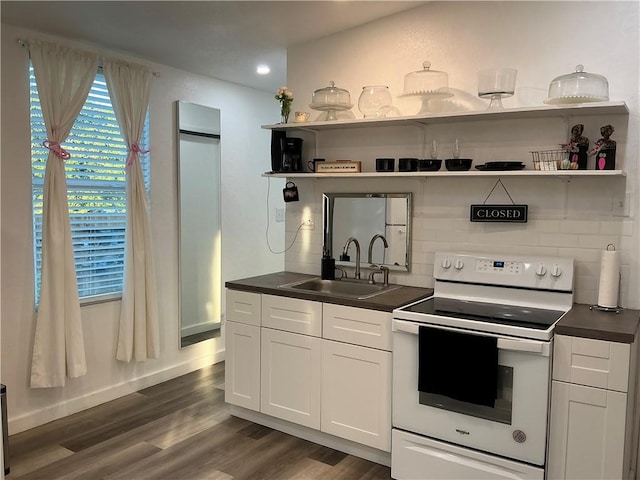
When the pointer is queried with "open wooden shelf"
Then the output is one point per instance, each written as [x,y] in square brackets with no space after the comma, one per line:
[446,173]
[596,108]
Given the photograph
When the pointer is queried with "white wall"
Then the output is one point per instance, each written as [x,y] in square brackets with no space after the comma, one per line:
[245,154]
[542,40]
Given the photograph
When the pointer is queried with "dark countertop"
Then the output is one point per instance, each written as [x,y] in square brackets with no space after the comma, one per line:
[269,284]
[580,321]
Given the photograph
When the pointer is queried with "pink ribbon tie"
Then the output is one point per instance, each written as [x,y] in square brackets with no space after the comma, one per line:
[55,147]
[134,151]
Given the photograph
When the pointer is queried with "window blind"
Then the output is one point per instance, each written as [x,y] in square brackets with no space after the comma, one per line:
[96,188]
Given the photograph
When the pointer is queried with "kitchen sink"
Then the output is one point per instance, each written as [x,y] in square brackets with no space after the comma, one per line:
[341,288]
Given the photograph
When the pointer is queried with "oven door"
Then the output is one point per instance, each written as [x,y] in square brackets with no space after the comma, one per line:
[515,426]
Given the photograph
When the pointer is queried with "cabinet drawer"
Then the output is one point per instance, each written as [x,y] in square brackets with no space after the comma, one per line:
[243,307]
[359,326]
[594,363]
[292,315]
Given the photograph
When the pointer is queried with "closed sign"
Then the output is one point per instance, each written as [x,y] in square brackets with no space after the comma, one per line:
[499,213]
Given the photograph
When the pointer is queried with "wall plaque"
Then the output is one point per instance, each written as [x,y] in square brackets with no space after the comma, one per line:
[499,213]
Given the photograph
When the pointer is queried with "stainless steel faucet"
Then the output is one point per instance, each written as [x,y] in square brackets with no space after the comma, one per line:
[345,251]
[373,239]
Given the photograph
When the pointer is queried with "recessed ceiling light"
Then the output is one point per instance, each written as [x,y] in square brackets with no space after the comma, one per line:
[263,70]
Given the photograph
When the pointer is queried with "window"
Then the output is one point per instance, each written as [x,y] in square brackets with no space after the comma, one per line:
[96,189]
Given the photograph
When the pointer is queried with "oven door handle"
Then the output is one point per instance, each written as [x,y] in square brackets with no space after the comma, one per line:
[524,345]
[513,344]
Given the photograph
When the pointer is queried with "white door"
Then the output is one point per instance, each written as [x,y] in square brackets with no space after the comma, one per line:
[587,433]
[242,365]
[356,394]
[290,377]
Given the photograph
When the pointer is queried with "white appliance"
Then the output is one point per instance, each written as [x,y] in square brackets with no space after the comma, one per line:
[472,365]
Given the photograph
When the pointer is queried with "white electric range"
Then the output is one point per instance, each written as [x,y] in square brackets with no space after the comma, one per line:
[472,367]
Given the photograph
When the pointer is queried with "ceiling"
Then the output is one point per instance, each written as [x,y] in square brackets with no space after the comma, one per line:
[221,39]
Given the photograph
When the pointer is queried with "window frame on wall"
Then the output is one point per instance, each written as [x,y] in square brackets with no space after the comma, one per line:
[96,191]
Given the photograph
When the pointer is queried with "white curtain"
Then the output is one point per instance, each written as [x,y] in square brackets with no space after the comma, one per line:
[129,86]
[64,78]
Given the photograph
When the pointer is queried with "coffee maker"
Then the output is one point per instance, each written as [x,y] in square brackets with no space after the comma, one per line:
[291,154]
[286,153]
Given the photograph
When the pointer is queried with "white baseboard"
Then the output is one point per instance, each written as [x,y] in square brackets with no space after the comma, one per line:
[321,438]
[92,399]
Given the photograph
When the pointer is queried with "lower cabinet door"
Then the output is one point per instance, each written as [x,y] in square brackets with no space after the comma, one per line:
[356,393]
[290,377]
[242,365]
[587,432]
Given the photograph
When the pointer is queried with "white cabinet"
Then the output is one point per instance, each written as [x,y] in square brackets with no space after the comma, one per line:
[587,432]
[356,393]
[356,375]
[290,378]
[291,359]
[319,365]
[242,365]
[591,425]
[242,349]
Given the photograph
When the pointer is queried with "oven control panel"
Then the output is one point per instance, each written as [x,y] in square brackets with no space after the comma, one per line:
[539,272]
[508,267]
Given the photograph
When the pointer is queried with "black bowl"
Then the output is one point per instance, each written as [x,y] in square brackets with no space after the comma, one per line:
[429,164]
[458,164]
[407,164]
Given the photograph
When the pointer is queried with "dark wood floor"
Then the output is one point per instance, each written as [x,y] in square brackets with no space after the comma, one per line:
[179,429]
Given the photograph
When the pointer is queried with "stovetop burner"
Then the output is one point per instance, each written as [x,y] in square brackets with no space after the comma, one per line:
[519,316]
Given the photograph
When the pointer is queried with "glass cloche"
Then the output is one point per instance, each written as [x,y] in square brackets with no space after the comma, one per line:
[428,84]
[331,99]
[578,87]
[425,81]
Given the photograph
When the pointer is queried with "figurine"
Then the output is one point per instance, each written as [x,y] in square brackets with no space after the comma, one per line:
[578,146]
[605,150]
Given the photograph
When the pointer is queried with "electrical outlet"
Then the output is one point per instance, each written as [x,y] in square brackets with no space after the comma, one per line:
[307,223]
[621,205]
[279,214]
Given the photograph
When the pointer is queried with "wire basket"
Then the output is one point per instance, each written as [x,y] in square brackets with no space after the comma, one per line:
[549,159]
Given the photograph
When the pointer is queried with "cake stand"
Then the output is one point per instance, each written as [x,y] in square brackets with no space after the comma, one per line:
[331,109]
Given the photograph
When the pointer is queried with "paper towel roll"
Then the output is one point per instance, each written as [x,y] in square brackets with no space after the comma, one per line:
[609,279]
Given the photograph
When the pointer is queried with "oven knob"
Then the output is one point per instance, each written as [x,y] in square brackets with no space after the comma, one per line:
[541,271]
[556,271]
[459,264]
[446,263]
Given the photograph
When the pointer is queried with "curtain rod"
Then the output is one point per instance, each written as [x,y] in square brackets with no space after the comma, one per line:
[25,44]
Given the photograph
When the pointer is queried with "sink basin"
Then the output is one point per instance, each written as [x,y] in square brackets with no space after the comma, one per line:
[341,288]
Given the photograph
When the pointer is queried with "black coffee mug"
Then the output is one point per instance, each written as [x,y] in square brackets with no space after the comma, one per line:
[385,164]
[312,163]
[290,192]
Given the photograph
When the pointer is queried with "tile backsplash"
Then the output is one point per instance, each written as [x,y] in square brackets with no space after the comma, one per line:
[566,219]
